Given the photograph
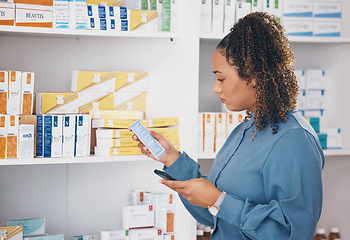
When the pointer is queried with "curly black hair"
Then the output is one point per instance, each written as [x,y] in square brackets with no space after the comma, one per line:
[258,47]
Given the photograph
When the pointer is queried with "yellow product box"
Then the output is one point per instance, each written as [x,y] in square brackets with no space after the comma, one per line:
[166,131]
[94,101]
[113,133]
[130,101]
[114,123]
[12,136]
[97,81]
[35,2]
[57,103]
[3,136]
[122,142]
[143,20]
[163,122]
[28,15]
[121,151]
[3,92]
[27,93]
[13,232]
[174,139]
[14,95]
[105,2]
[7,14]
[116,114]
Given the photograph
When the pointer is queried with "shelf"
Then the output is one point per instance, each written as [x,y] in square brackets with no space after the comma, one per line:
[90,159]
[293,39]
[327,153]
[76,33]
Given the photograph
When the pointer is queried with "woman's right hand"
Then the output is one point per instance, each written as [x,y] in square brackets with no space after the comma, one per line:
[171,154]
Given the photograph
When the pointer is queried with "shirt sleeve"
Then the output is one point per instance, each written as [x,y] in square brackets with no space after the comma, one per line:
[183,169]
[293,191]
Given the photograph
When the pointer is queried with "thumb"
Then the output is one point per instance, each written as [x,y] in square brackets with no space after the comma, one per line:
[156,135]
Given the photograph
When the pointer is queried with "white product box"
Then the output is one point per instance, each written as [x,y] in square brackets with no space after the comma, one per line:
[229,15]
[93,24]
[329,9]
[160,14]
[257,5]
[96,11]
[57,103]
[233,119]
[242,9]
[146,234]
[301,78]
[201,118]
[4,92]
[14,94]
[218,16]
[206,16]
[333,137]
[273,7]
[68,136]
[301,100]
[60,14]
[315,79]
[314,114]
[12,136]
[220,131]
[7,14]
[136,197]
[297,8]
[115,235]
[35,226]
[174,15]
[27,93]
[209,132]
[33,15]
[3,135]
[26,141]
[83,133]
[141,216]
[327,27]
[298,26]
[45,237]
[92,237]
[52,136]
[169,236]
[315,100]
[80,14]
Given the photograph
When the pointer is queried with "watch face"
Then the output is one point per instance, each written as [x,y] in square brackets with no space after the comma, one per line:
[213,210]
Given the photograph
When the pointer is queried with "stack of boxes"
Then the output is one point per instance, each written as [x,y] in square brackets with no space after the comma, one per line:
[16,98]
[299,17]
[312,102]
[214,129]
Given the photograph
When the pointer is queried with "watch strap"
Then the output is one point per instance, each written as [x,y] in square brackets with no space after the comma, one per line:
[220,199]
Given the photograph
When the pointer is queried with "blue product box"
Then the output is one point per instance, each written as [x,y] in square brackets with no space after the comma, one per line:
[33,226]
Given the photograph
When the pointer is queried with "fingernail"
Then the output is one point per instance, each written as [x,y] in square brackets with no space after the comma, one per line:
[160,181]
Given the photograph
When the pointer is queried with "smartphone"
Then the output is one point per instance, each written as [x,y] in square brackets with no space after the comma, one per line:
[164,175]
[146,138]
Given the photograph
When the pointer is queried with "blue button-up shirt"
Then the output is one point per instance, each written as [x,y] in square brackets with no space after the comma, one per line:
[273,183]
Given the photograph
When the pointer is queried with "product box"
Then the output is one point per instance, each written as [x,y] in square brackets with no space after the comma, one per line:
[230,15]
[168,132]
[52,136]
[166,16]
[149,234]
[136,197]
[333,137]
[26,141]
[257,5]
[124,142]
[105,2]
[298,8]
[45,237]
[218,16]
[233,119]
[299,26]
[12,136]
[242,9]
[94,81]
[3,92]
[208,132]
[3,136]
[14,94]
[94,101]
[206,16]
[114,123]
[33,15]
[201,119]
[35,2]
[113,134]
[77,14]
[162,122]
[115,235]
[61,16]
[301,78]
[7,14]
[316,79]
[323,140]
[301,100]
[141,216]
[57,103]
[220,131]
[327,27]
[143,20]
[27,93]
[30,120]
[88,237]
[174,15]
[13,232]
[33,226]
[82,135]
[121,151]
[68,136]
[116,114]
[315,99]
[169,236]
[327,9]
[40,136]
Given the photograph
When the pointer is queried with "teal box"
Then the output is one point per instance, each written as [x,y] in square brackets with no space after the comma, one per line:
[323,140]
[315,123]
[34,226]
[46,237]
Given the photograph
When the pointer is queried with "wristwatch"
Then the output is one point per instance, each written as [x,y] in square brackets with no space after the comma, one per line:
[214,209]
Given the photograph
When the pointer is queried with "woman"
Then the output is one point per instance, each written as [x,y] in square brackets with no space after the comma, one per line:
[265,182]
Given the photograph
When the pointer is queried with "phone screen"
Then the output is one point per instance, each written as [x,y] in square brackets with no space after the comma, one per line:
[164,175]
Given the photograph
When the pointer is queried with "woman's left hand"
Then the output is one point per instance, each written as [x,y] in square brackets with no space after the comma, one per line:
[197,191]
